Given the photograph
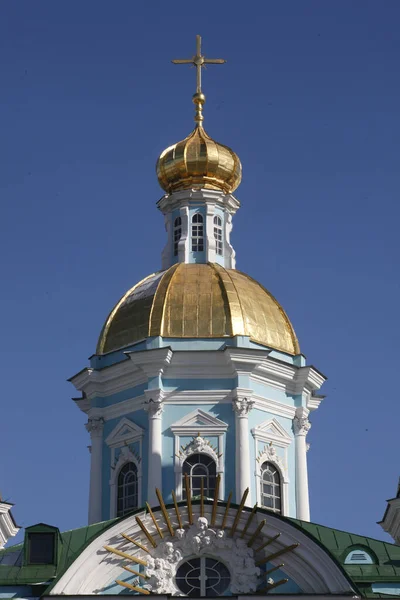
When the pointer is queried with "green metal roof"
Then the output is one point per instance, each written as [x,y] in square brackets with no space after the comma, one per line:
[338,543]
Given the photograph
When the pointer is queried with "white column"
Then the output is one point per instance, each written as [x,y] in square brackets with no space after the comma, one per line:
[154,409]
[301,426]
[95,428]
[242,407]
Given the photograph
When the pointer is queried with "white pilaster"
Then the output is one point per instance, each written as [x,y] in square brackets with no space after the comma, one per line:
[301,426]
[95,428]
[154,408]
[242,407]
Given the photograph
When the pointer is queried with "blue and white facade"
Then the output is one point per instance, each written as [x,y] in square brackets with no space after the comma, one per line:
[156,403]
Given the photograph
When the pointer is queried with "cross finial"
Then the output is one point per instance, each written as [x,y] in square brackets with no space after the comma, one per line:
[199,61]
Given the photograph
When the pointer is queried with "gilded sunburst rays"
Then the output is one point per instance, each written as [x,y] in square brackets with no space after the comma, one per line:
[243,525]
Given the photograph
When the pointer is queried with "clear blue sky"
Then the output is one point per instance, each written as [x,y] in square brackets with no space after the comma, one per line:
[310,101]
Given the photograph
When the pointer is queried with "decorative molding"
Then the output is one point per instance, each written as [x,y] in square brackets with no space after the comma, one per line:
[199,420]
[242,406]
[154,407]
[95,427]
[8,527]
[199,445]
[201,540]
[272,431]
[125,432]
[301,424]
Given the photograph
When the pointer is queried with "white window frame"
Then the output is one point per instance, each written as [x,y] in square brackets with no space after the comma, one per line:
[124,433]
[208,426]
[196,239]
[273,436]
[175,239]
[218,235]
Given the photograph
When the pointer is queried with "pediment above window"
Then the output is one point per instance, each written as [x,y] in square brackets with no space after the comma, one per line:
[199,421]
[125,432]
[272,431]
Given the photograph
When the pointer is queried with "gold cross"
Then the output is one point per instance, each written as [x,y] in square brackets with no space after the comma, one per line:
[199,61]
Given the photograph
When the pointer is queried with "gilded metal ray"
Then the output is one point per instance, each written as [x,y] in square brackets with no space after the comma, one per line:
[249,520]
[178,514]
[268,542]
[142,575]
[160,533]
[135,588]
[256,533]
[272,586]
[276,554]
[146,532]
[135,543]
[215,503]
[239,511]
[134,559]
[165,513]
[188,499]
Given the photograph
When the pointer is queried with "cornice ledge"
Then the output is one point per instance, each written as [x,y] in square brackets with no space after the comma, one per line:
[152,362]
[154,395]
[245,360]
[274,407]
[308,380]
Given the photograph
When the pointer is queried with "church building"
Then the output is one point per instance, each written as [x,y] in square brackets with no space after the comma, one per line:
[198,404]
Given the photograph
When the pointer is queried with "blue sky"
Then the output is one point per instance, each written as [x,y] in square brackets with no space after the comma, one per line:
[309,99]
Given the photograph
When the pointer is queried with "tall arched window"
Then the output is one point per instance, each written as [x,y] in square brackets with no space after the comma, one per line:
[199,467]
[197,233]
[127,498]
[218,234]
[271,491]
[177,234]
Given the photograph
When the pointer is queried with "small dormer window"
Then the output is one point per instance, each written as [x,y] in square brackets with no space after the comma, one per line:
[41,548]
[358,557]
[218,235]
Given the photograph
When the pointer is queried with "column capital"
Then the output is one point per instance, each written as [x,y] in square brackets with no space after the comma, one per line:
[242,406]
[95,427]
[154,407]
[301,424]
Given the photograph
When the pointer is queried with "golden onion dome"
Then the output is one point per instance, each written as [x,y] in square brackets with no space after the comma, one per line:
[199,162]
[198,301]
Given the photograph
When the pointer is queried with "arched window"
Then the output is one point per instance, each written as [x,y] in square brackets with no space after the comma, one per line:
[218,235]
[127,498]
[177,234]
[197,233]
[199,467]
[271,493]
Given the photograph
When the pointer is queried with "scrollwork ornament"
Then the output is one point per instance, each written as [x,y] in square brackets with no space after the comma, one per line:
[154,408]
[301,424]
[242,406]
[201,540]
[95,427]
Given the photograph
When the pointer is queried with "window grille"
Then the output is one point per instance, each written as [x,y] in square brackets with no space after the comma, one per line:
[218,235]
[271,492]
[177,234]
[199,467]
[127,489]
[202,577]
[197,233]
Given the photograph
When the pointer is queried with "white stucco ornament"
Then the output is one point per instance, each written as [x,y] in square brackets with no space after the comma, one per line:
[201,540]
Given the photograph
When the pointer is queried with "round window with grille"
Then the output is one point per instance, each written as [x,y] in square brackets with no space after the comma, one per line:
[203,576]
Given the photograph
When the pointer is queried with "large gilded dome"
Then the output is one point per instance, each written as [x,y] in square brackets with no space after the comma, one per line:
[198,301]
